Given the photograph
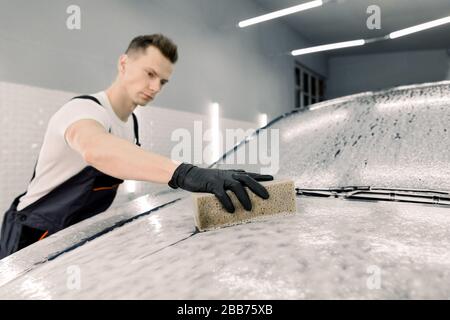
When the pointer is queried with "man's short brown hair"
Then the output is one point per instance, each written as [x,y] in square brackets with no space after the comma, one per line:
[164,44]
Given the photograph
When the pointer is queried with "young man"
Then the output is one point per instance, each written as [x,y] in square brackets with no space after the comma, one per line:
[91,145]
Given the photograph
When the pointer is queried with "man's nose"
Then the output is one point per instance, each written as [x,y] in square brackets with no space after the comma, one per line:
[155,85]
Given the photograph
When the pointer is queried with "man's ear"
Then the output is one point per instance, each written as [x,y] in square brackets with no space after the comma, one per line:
[121,65]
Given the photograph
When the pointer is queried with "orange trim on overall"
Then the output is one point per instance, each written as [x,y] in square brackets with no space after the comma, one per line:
[105,188]
[43,235]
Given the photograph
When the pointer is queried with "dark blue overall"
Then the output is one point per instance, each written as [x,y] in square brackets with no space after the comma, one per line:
[84,195]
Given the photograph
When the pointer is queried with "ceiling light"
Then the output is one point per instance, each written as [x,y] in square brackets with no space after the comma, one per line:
[327,47]
[420,27]
[281,13]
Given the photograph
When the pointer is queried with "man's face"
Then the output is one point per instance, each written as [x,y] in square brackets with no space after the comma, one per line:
[144,73]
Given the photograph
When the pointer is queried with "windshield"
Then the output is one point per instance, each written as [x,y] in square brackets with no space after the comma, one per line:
[397,138]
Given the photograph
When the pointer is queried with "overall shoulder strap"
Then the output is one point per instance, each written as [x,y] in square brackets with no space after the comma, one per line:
[136,129]
[135,122]
[87,97]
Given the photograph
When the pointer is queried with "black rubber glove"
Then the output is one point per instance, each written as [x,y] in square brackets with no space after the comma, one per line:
[217,181]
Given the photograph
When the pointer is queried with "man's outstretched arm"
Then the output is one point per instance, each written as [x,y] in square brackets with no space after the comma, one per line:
[115,156]
[124,160]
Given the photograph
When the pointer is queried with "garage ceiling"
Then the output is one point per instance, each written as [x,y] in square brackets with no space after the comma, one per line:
[345,20]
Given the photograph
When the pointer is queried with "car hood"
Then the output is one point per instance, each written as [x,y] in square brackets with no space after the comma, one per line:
[329,249]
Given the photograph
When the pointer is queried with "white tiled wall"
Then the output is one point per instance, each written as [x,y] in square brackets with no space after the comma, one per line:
[25,112]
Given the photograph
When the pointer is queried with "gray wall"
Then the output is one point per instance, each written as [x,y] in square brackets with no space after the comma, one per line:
[353,74]
[245,70]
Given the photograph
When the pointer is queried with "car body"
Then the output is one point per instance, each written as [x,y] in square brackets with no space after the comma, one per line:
[372,221]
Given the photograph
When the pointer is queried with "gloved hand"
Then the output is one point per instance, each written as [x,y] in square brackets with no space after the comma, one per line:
[217,181]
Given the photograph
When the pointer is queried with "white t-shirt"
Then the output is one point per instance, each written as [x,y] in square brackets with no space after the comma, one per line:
[57,161]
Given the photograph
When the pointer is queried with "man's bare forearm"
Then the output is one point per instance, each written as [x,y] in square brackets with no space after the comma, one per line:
[124,160]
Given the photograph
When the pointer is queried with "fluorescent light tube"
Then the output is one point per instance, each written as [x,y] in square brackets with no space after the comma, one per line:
[281,13]
[420,27]
[215,128]
[327,47]
[262,119]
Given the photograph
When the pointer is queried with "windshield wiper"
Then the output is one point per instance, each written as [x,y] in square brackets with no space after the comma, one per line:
[436,197]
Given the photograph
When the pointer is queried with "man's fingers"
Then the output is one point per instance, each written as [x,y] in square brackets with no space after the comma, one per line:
[254,175]
[256,187]
[225,200]
[260,177]
[242,195]
[263,177]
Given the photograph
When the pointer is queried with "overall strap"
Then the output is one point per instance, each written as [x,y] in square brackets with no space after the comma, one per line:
[136,129]
[135,122]
[88,98]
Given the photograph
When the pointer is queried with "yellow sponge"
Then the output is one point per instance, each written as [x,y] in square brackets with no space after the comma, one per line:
[210,214]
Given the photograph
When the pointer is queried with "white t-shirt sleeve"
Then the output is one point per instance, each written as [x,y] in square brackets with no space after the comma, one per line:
[75,110]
